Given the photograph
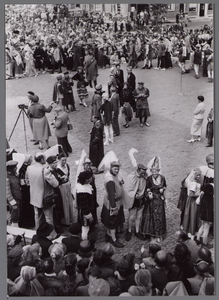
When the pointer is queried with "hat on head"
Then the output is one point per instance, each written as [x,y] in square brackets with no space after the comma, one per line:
[141,83]
[58,108]
[201,266]
[59,77]
[141,166]
[11,163]
[51,159]
[75,228]
[87,161]
[98,87]
[34,98]
[31,93]
[86,246]
[201,98]
[66,73]
[155,165]
[98,287]
[44,229]
[210,158]
[114,164]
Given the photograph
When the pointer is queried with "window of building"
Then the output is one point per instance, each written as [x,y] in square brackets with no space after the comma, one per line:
[210,6]
[193,7]
[171,7]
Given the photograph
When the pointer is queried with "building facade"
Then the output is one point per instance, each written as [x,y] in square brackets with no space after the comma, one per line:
[194,10]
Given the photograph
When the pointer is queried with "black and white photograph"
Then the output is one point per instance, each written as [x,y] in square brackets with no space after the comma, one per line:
[110,149]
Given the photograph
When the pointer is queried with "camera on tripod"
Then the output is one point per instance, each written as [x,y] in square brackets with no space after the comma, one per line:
[22,106]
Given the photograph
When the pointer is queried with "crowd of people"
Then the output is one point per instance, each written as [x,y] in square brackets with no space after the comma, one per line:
[39,190]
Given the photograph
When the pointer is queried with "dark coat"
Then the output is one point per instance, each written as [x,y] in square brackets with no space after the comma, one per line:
[96,150]
[44,244]
[120,79]
[132,82]
[71,244]
[107,109]
[197,57]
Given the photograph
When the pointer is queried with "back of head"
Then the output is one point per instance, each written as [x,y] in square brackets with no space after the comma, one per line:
[123,268]
[47,265]
[143,278]
[161,258]
[115,288]
[182,254]
[154,248]
[137,291]
[99,257]
[108,249]
[174,272]
[205,254]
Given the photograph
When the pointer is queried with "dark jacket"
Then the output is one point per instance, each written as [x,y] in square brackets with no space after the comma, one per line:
[44,244]
[71,243]
[107,109]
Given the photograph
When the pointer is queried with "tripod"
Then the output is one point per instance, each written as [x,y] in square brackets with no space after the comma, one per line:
[23,112]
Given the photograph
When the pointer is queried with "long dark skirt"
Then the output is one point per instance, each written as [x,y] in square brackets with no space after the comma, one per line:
[168,61]
[142,113]
[153,218]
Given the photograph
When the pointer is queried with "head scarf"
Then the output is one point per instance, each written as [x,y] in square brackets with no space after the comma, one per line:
[27,284]
[143,278]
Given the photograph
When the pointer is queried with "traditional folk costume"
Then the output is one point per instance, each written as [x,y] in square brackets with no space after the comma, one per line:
[81,86]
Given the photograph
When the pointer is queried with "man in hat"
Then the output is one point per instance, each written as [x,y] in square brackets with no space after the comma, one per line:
[13,192]
[58,91]
[34,176]
[115,100]
[132,85]
[135,186]
[42,237]
[61,129]
[72,242]
[96,148]
[96,101]
[141,95]
[112,215]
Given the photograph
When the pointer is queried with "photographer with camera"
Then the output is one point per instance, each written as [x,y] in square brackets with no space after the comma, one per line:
[41,129]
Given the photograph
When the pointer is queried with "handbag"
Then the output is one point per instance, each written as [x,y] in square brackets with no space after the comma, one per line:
[70,126]
[48,199]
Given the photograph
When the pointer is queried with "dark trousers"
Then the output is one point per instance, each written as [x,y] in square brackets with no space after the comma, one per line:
[39,64]
[57,65]
[115,124]
[161,62]
[65,144]
[210,134]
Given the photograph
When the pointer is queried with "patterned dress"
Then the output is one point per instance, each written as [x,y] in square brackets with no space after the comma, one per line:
[153,218]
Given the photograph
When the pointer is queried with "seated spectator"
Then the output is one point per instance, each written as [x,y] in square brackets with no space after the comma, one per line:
[13,262]
[175,275]
[98,287]
[41,237]
[182,237]
[205,254]
[92,274]
[27,284]
[202,283]
[143,282]
[57,252]
[154,247]
[69,277]
[123,274]
[99,258]
[183,259]
[48,278]
[158,272]
[31,255]
[72,242]
[109,251]
[115,288]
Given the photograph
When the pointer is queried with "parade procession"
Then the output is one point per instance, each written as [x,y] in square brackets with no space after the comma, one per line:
[110,149]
